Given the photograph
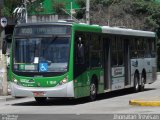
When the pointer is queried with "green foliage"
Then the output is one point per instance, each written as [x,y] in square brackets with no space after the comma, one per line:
[35,7]
[81,3]
[103,2]
[147,10]
[81,12]
[9,6]
[93,6]
[58,6]
[151,23]
[5,12]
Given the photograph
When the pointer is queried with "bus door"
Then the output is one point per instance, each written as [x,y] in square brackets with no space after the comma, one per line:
[127,62]
[107,64]
[117,63]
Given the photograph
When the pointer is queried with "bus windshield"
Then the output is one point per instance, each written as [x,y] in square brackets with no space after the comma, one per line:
[41,54]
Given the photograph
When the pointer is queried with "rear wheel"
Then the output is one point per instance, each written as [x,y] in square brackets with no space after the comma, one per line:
[136,83]
[93,90]
[142,83]
[41,99]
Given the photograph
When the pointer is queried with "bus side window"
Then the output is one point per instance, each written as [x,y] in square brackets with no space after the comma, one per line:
[152,47]
[117,51]
[133,44]
[80,47]
[96,51]
[114,52]
[147,51]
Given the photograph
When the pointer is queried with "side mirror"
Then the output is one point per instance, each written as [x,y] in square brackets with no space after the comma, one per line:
[7,39]
[4,47]
[49,62]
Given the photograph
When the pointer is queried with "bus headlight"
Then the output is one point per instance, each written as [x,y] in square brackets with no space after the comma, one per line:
[65,80]
[15,81]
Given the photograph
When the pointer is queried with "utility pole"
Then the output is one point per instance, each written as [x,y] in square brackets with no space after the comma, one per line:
[26,15]
[4,69]
[87,11]
[71,11]
[4,60]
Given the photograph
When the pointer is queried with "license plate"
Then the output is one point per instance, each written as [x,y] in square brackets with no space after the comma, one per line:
[38,94]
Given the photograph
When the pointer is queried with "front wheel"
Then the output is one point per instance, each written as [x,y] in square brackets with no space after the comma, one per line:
[93,91]
[41,99]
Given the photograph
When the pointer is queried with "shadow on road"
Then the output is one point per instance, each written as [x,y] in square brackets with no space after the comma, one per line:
[68,102]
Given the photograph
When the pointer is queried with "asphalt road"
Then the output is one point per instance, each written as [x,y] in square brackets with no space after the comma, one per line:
[109,103]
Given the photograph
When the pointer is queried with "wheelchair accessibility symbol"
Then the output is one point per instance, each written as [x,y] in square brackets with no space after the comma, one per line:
[43,67]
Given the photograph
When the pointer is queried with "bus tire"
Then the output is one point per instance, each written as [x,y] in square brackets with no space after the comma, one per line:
[136,83]
[93,90]
[40,99]
[142,83]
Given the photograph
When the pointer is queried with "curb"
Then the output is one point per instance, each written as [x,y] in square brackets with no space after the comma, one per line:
[4,99]
[10,98]
[144,103]
[158,73]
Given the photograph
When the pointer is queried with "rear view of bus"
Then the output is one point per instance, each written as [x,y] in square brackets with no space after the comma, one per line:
[40,61]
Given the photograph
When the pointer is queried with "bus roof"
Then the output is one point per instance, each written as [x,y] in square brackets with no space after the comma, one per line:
[97,28]
[114,30]
[87,28]
[45,23]
[129,32]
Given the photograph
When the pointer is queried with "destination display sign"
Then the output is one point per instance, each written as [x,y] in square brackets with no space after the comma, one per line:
[42,30]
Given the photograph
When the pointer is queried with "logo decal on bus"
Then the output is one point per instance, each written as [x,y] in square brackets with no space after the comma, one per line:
[117,71]
[43,67]
[135,63]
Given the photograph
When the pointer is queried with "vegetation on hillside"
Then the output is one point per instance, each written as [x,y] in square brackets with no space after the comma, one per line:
[9,6]
[136,14]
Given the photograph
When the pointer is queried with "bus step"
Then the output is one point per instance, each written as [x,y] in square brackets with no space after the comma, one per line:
[108,90]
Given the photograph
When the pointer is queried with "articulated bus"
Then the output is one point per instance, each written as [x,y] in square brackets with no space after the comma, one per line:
[74,60]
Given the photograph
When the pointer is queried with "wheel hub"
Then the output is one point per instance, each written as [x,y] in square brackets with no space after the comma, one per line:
[93,89]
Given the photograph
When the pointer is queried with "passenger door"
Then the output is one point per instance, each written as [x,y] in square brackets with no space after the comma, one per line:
[107,64]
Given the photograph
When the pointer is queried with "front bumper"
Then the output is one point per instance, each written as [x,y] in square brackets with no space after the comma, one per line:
[66,90]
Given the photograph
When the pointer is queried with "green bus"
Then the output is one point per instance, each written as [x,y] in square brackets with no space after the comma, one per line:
[74,60]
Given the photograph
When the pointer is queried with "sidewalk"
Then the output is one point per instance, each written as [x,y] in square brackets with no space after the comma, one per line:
[153,101]
[6,98]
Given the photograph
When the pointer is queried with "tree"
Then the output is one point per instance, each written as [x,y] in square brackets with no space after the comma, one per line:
[136,14]
[58,6]
[9,6]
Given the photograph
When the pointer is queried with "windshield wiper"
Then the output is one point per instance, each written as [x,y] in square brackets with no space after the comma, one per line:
[54,38]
